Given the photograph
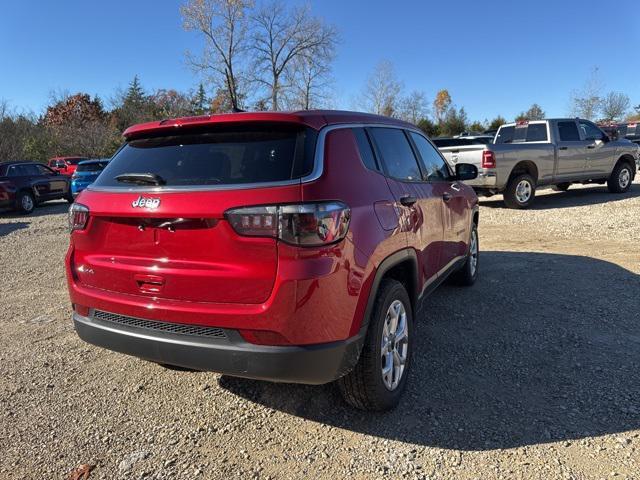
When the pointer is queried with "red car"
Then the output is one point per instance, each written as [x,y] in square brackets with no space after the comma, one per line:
[65,165]
[291,247]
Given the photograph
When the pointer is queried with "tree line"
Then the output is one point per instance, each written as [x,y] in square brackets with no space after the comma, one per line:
[258,56]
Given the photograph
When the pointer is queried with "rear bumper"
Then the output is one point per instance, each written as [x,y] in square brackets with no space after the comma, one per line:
[487,179]
[228,354]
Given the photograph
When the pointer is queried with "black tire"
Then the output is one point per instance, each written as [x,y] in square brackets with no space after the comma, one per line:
[561,187]
[25,203]
[618,182]
[364,387]
[511,199]
[69,197]
[468,274]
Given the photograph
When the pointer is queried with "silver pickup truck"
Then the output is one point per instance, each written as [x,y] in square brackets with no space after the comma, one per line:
[556,152]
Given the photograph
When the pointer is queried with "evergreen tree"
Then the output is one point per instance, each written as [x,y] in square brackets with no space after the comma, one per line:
[200,103]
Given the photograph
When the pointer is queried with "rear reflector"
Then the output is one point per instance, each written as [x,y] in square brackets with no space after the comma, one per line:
[488,159]
[307,224]
[263,337]
[78,217]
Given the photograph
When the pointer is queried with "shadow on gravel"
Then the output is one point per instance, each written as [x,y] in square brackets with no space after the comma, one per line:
[574,197]
[543,348]
[7,228]
[47,208]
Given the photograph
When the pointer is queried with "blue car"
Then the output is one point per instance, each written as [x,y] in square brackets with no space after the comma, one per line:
[86,174]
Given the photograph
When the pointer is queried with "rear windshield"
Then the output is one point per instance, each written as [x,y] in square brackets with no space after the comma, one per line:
[92,167]
[522,133]
[224,157]
[74,161]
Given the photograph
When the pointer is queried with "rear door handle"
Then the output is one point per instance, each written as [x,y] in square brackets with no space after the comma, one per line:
[447,197]
[408,200]
[591,146]
[563,148]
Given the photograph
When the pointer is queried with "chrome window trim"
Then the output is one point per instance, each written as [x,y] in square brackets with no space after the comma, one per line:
[316,171]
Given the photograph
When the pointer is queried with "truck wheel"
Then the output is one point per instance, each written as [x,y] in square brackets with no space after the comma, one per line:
[621,178]
[520,192]
[380,376]
[561,187]
[468,274]
[25,203]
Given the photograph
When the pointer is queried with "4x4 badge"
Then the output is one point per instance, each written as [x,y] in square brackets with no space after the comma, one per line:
[142,202]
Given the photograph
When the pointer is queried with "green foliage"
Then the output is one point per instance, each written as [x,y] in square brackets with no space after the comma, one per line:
[80,125]
[430,128]
[200,103]
[477,127]
[455,122]
[535,112]
[497,122]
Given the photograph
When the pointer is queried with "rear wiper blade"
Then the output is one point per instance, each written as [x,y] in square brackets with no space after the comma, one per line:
[141,178]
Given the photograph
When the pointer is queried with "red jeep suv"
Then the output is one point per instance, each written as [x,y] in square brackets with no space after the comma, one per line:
[290,247]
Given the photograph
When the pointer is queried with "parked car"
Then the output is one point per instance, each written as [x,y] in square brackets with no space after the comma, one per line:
[630,131]
[291,247]
[86,173]
[65,165]
[23,185]
[556,152]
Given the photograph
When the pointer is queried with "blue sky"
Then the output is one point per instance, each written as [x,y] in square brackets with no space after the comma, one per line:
[495,57]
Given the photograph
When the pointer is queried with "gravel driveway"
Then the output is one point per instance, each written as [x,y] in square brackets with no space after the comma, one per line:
[532,373]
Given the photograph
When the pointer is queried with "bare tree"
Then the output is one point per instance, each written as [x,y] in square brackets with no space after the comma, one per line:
[614,106]
[381,94]
[224,25]
[587,102]
[414,107]
[281,37]
[309,82]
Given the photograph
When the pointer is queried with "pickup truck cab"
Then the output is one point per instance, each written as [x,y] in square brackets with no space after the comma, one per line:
[554,152]
[65,165]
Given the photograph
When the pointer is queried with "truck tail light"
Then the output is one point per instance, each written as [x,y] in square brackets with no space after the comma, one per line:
[488,159]
[305,224]
[78,217]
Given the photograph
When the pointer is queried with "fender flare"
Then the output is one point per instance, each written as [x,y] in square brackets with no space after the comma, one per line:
[401,256]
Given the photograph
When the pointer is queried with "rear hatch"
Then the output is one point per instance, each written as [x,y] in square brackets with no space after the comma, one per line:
[88,172]
[171,240]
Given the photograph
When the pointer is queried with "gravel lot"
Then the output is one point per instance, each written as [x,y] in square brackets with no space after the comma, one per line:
[532,373]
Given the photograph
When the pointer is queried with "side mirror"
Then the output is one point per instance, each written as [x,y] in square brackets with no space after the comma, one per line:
[466,171]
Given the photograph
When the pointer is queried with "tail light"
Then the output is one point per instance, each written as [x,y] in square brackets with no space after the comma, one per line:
[488,159]
[306,224]
[78,217]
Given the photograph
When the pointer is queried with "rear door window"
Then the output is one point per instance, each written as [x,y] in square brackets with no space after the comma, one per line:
[568,132]
[396,153]
[537,132]
[43,170]
[228,156]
